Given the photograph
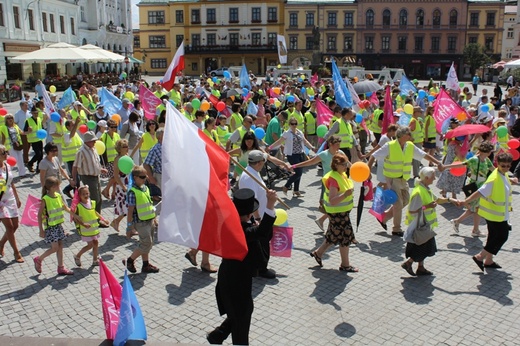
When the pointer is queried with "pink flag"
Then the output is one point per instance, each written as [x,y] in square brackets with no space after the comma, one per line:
[197,211]
[314,79]
[388,111]
[111,292]
[373,99]
[281,243]
[445,108]
[30,213]
[324,114]
[149,102]
[176,66]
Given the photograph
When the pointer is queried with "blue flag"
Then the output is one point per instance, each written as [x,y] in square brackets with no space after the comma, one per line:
[252,108]
[406,86]
[68,97]
[244,78]
[343,98]
[111,103]
[131,322]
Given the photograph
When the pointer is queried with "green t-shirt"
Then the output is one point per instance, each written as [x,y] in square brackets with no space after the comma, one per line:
[273,127]
[484,168]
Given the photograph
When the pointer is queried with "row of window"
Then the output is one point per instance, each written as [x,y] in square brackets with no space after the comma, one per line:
[157,17]
[48,22]
[233,39]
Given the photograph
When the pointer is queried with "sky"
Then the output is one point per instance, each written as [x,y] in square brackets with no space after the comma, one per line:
[135,14]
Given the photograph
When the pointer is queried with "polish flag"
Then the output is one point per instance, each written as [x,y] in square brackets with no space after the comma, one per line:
[175,67]
[197,211]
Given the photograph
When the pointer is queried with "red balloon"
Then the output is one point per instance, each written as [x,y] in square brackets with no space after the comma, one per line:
[515,154]
[221,106]
[458,171]
[3,111]
[513,143]
[11,161]
[83,128]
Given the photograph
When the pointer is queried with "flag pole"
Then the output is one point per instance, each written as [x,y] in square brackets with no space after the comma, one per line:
[257,181]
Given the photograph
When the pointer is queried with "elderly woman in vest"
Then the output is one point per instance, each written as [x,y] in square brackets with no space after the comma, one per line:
[12,140]
[109,138]
[147,141]
[421,199]
[495,207]
[338,201]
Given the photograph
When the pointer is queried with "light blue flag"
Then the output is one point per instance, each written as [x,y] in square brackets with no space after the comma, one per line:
[406,86]
[244,78]
[252,108]
[131,322]
[111,103]
[68,97]
[343,98]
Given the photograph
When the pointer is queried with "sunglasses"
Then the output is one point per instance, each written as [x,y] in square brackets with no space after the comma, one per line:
[3,153]
[54,150]
[248,122]
[293,124]
[124,146]
[113,127]
[142,176]
[335,142]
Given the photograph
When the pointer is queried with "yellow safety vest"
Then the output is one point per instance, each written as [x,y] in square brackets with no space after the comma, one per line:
[502,141]
[417,134]
[222,132]
[148,143]
[159,109]
[110,145]
[238,121]
[332,121]
[241,131]
[54,207]
[298,116]
[81,114]
[426,197]
[31,136]
[60,129]
[310,123]
[143,204]
[175,96]
[432,130]
[213,135]
[68,152]
[88,216]
[5,131]
[345,133]
[86,100]
[493,208]
[398,163]
[373,123]
[344,184]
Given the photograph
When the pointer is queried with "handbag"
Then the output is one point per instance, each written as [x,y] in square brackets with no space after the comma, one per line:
[424,232]
[468,189]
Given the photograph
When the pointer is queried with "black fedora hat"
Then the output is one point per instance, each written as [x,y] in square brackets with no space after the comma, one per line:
[245,201]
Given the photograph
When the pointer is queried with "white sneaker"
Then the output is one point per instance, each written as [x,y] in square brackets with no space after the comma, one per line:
[455,225]
[478,234]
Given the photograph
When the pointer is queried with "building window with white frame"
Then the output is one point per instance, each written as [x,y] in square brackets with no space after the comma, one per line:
[62,24]
[155,17]
[157,41]
[293,42]
[30,14]
[72,26]
[16,16]
[272,14]
[158,63]
[44,21]
[309,19]
[83,18]
[51,20]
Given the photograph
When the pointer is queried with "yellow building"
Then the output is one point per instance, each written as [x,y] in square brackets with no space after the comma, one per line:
[486,25]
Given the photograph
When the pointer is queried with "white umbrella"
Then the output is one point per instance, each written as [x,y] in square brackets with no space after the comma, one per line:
[513,64]
[104,54]
[59,53]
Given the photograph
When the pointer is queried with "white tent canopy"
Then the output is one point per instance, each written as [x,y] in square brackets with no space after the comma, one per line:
[60,53]
[513,64]
[104,54]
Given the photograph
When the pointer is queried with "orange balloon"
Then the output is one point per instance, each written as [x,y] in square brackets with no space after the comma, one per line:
[204,106]
[276,90]
[461,116]
[359,172]
[116,118]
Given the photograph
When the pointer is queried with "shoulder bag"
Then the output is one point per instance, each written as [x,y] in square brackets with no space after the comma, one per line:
[423,232]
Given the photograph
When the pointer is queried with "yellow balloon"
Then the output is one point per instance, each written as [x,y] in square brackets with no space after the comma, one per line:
[277,103]
[52,89]
[279,66]
[408,109]
[100,147]
[281,217]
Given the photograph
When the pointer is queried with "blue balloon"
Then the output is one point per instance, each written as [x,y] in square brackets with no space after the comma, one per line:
[359,118]
[253,127]
[422,94]
[431,98]
[214,79]
[311,98]
[484,108]
[55,117]
[259,133]
[41,134]
[227,75]
[390,196]
[245,91]
[291,98]
[469,155]
[368,94]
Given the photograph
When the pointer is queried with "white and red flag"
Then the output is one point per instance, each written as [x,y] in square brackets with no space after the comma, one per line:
[176,66]
[197,211]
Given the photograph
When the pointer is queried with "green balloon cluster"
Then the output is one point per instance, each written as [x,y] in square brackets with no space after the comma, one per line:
[501,131]
[125,164]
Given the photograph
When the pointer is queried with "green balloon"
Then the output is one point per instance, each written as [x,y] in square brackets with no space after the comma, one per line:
[125,164]
[196,104]
[321,131]
[91,124]
[501,131]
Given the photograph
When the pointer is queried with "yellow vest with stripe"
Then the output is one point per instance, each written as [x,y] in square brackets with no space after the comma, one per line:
[54,208]
[344,184]
[432,130]
[493,208]
[86,100]
[61,130]
[426,198]
[143,204]
[31,136]
[221,133]
[399,162]
[213,135]
[68,152]
[148,143]
[238,121]
[110,145]
[417,134]
[175,96]
[298,116]
[502,141]
[345,133]
[310,123]
[373,123]
[81,114]
[88,216]
[333,120]
[5,131]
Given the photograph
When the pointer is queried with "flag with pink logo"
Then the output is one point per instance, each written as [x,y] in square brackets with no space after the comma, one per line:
[314,79]
[281,242]
[324,114]
[149,102]
[30,213]
[444,109]
[111,292]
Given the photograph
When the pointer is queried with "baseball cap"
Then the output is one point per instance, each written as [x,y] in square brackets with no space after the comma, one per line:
[256,156]
[99,105]
[102,123]
[126,101]
[77,103]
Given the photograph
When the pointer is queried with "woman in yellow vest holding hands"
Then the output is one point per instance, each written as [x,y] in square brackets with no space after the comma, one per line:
[495,206]
[338,201]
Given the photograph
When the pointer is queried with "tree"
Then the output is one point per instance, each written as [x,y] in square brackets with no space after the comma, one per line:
[475,57]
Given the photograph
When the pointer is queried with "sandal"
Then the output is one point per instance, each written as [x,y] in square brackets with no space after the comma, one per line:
[18,258]
[348,269]
[208,268]
[479,263]
[192,259]
[494,265]
[317,258]
[297,194]
[423,271]
[105,194]
[95,263]
[114,225]
[37,264]
[408,267]
[77,261]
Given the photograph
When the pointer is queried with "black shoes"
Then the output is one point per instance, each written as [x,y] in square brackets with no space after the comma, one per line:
[130,266]
[216,337]
[149,269]
[267,274]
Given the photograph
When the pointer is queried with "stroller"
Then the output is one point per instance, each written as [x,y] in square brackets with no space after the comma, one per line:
[271,172]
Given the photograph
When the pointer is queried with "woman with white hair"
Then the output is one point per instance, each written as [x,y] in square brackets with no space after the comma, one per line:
[422,200]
